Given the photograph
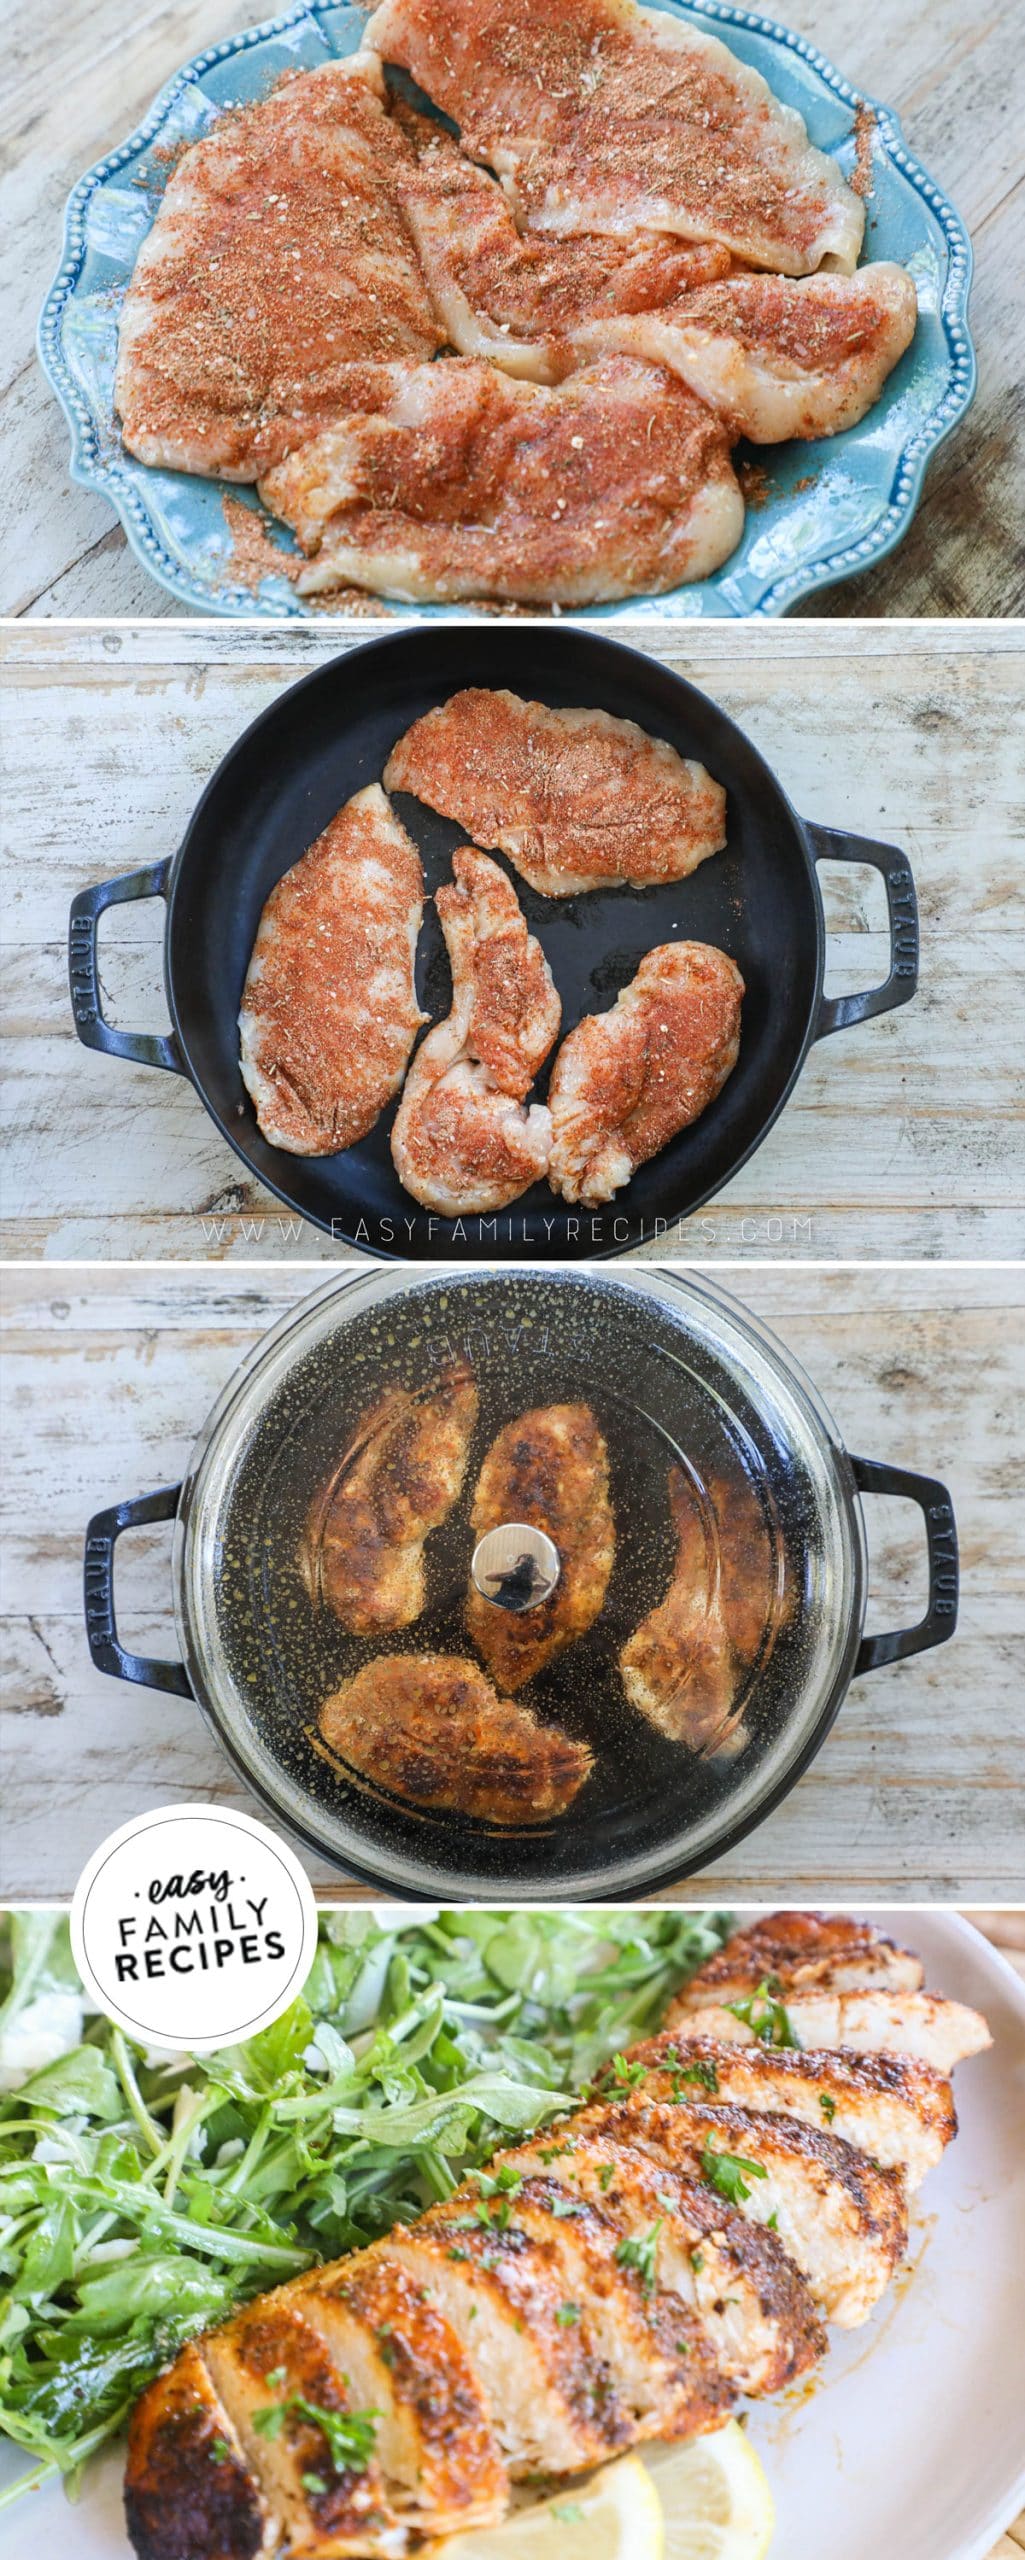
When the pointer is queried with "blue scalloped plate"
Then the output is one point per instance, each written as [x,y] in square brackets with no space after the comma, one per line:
[828,508]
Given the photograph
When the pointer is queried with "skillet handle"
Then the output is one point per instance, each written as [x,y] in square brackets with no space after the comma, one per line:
[101,1538]
[837,1012]
[940,1618]
[148,1048]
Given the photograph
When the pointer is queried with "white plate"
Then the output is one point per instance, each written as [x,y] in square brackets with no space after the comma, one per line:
[910,2444]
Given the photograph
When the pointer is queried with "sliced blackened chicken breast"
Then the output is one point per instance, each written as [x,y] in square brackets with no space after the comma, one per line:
[310,2446]
[941,2033]
[897,2110]
[842,2219]
[188,2485]
[754,2305]
[803,1950]
[434,2440]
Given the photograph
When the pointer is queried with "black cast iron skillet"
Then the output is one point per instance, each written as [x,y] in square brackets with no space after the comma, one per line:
[330,735]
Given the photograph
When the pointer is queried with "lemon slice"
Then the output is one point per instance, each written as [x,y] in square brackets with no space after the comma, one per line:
[716,2501]
[617,2516]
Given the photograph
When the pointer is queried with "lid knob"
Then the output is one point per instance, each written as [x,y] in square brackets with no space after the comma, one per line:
[516,1567]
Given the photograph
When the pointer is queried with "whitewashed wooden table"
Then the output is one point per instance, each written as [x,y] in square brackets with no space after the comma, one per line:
[81,74]
[918,1793]
[904,1137]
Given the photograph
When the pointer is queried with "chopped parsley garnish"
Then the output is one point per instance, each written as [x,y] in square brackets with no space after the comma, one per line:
[773,2222]
[766,2016]
[728,2172]
[566,2514]
[606,2175]
[220,2449]
[639,2253]
[349,2434]
[313,2483]
[565,2207]
[828,2106]
[704,2073]
[697,2259]
[279,2375]
[628,2074]
[568,2314]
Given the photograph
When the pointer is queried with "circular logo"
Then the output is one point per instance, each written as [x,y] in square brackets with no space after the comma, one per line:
[193,1928]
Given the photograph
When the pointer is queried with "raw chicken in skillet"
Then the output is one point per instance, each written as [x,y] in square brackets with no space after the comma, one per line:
[464,483]
[362,1550]
[599,116]
[329,1011]
[462,1142]
[547,1470]
[431,1728]
[278,282]
[627,1081]
[575,799]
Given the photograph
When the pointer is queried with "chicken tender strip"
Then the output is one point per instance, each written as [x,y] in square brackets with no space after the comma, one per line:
[600,116]
[841,2218]
[278,282]
[941,2033]
[431,1729]
[774,356]
[803,1951]
[547,1470]
[751,2300]
[575,799]
[362,1551]
[899,2111]
[466,484]
[329,1010]
[462,1143]
[522,302]
[627,1081]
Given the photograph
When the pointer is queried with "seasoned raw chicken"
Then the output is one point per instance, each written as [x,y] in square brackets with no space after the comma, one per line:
[329,1010]
[547,1470]
[278,279]
[940,2033]
[841,2218]
[431,1728]
[627,1081]
[600,116]
[467,484]
[362,1550]
[576,799]
[775,356]
[679,1667]
[899,2111]
[754,2305]
[462,1143]
[434,2440]
[803,1950]
[519,300]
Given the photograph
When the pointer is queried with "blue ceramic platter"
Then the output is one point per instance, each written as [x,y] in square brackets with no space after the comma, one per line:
[826,509]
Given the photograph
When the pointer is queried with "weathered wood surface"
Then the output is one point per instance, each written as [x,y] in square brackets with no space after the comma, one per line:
[81,74]
[918,1792]
[904,1136]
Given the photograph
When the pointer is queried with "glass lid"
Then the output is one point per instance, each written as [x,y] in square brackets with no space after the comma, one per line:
[519,1583]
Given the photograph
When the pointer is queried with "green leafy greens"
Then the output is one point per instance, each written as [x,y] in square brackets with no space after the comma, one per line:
[144,2197]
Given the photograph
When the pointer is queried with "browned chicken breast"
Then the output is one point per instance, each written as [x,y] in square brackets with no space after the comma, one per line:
[841,2219]
[462,1143]
[463,483]
[679,1667]
[805,1951]
[547,1470]
[576,799]
[431,1728]
[627,1081]
[755,2307]
[188,2486]
[277,283]
[599,116]
[434,2440]
[522,300]
[940,2033]
[293,2411]
[362,1552]
[775,356]
[329,1010]
[899,2111]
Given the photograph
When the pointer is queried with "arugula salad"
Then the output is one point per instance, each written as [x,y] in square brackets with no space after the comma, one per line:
[144,2195]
